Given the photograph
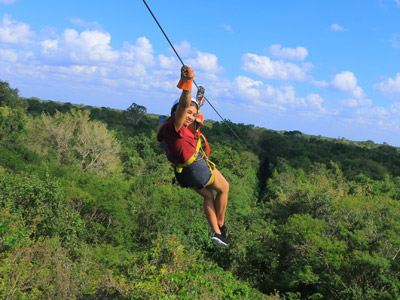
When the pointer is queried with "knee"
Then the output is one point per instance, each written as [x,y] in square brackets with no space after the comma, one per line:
[209,198]
[208,203]
[225,186]
[221,185]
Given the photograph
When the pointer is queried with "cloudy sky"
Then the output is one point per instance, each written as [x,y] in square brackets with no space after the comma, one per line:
[329,68]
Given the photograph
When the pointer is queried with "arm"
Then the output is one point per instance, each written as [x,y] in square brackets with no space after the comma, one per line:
[185,83]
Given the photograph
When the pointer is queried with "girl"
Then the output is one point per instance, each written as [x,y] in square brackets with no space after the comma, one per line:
[192,169]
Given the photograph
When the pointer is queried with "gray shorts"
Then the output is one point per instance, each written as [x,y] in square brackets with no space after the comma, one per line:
[195,175]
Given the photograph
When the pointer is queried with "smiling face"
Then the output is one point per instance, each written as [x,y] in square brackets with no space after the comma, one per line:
[191,113]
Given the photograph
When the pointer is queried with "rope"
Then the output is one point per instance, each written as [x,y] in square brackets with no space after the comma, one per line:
[176,53]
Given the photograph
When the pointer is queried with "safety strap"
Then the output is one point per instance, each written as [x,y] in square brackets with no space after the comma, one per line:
[207,150]
[192,159]
[211,166]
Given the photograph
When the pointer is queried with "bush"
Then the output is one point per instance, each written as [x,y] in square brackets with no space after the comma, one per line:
[42,206]
[12,123]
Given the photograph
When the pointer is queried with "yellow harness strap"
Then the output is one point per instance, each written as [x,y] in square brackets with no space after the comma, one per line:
[211,166]
[192,159]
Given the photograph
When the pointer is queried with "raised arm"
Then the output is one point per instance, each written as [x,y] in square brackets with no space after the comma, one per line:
[185,84]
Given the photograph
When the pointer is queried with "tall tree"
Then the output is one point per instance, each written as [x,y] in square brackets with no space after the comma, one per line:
[135,113]
[73,136]
[9,97]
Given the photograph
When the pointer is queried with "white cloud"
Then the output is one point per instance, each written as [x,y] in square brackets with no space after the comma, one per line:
[84,23]
[374,114]
[202,61]
[397,2]
[370,119]
[168,62]
[248,87]
[142,52]
[8,55]
[80,48]
[395,108]
[7,2]
[319,83]
[49,46]
[356,102]
[227,27]
[336,27]
[185,49]
[347,82]
[395,40]
[13,32]
[85,61]
[89,45]
[216,86]
[265,96]
[315,101]
[73,55]
[206,62]
[88,57]
[390,86]
[78,70]
[265,67]
[282,96]
[298,53]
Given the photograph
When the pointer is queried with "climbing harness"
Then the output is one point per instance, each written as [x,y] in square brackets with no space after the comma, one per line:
[199,154]
[192,159]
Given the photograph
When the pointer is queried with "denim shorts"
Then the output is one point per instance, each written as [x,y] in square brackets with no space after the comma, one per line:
[196,175]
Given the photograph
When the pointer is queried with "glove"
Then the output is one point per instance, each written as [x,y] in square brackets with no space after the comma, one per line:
[186,81]
[200,96]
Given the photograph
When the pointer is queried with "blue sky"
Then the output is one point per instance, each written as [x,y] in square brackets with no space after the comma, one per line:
[329,68]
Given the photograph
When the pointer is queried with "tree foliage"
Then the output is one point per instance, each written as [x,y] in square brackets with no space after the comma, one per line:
[12,123]
[73,137]
[135,113]
[89,210]
[9,97]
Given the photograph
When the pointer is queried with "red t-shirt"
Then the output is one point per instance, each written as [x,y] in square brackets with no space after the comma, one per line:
[179,145]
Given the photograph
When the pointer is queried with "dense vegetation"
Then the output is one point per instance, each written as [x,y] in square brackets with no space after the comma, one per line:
[88,210]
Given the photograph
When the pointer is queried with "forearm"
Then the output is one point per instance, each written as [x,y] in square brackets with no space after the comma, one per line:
[185,99]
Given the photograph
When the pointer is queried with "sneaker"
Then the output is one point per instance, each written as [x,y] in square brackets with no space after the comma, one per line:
[219,240]
[223,229]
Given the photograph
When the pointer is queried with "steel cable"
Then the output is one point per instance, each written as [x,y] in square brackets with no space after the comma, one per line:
[180,59]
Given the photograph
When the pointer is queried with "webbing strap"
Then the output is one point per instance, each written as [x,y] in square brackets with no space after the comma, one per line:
[207,150]
[192,159]
[211,166]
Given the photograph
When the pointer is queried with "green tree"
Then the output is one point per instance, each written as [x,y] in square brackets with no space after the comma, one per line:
[75,138]
[42,206]
[135,113]
[12,122]
[96,146]
[9,97]
[38,271]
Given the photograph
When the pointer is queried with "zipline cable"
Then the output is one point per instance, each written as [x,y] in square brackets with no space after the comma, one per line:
[180,59]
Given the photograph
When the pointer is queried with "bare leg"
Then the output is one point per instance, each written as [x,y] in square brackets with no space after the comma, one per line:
[221,186]
[209,208]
